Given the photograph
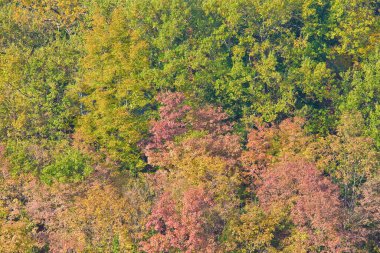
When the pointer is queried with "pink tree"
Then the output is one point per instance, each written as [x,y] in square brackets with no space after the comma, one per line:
[257,157]
[182,227]
[176,118]
[211,119]
[170,124]
[314,201]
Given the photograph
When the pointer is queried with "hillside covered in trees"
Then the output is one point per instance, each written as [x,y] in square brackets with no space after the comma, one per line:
[190,126]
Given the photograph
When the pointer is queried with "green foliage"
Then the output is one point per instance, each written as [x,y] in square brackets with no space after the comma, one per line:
[363,95]
[69,166]
[37,65]
[355,26]
[20,159]
[148,125]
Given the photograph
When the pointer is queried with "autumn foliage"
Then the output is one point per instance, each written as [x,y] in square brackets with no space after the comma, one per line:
[244,126]
[313,199]
[185,229]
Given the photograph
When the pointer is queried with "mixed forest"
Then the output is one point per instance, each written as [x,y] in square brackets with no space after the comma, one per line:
[171,126]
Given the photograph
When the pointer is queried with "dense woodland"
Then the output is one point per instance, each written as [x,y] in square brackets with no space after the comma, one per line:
[189,126]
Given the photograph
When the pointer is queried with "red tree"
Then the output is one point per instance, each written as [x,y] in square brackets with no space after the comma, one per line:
[257,157]
[316,208]
[170,124]
[210,119]
[180,228]
[176,118]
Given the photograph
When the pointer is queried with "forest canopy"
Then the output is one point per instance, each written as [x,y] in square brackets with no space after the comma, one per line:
[189,126]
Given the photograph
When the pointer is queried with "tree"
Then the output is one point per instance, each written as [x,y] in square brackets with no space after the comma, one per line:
[259,231]
[354,26]
[102,213]
[366,221]
[181,127]
[349,157]
[110,91]
[163,131]
[313,199]
[38,62]
[185,230]
[363,91]
[17,230]
[270,143]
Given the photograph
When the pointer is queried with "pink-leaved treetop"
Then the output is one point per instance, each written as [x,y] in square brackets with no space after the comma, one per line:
[180,226]
[313,198]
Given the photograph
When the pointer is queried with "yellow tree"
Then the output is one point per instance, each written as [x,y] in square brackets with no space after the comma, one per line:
[112,96]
